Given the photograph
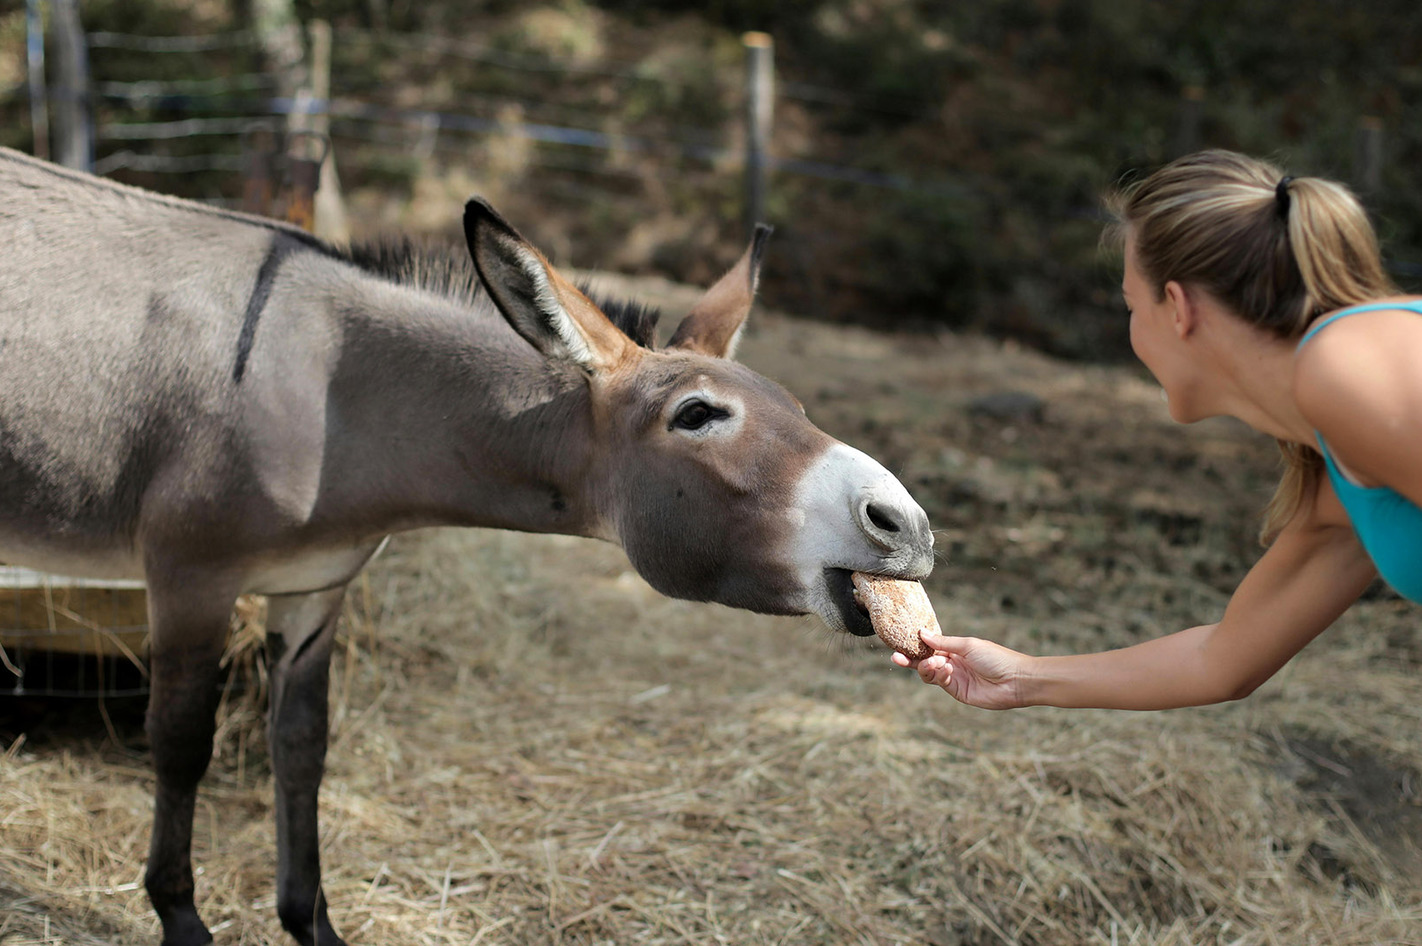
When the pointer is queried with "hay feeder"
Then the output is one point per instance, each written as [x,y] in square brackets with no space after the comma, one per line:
[71,637]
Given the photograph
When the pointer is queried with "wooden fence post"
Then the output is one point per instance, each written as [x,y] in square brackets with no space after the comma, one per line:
[1187,129]
[1368,156]
[760,97]
[34,53]
[260,143]
[330,210]
[279,36]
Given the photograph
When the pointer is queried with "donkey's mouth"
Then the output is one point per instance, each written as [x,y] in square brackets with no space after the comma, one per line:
[854,617]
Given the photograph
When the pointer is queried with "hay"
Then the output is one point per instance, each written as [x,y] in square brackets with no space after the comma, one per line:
[531,746]
[513,763]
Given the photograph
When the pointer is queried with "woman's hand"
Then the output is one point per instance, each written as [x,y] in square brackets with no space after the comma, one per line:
[973,671]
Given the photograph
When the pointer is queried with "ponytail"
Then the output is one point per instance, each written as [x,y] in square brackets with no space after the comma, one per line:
[1335,249]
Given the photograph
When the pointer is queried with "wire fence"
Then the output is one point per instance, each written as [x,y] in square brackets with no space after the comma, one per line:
[375,134]
[371,122]
[188,128]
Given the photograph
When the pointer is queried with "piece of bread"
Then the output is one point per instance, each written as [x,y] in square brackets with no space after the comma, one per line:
[898,610]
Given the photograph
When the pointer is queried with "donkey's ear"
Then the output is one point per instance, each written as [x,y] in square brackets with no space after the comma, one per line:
[713,326]
[542,306]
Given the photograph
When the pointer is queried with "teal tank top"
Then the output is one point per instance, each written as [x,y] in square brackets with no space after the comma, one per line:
[1387,523]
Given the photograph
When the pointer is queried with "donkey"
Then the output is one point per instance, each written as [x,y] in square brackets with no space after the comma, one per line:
[221,404]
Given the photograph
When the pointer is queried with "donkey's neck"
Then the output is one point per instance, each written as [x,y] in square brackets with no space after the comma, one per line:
[441,414]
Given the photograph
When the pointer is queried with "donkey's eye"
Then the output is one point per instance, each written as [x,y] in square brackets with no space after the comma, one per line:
[694,415]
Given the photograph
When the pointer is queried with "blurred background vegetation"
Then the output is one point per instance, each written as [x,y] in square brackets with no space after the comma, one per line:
[938,164]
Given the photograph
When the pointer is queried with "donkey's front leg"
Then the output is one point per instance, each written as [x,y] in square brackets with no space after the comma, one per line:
[300,629]
[188,622]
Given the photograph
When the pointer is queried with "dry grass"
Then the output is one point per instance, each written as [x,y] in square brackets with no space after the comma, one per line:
[531,746]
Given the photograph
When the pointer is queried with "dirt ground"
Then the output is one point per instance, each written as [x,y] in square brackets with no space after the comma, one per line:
[531,746]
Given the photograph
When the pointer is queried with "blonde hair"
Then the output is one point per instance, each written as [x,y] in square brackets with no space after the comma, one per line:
[1279,252]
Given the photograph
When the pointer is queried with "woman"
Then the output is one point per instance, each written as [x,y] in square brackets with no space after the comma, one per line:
[1262,297]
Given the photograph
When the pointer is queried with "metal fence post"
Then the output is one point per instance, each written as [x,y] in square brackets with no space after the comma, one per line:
[75,147]
[760,96]
[34,53]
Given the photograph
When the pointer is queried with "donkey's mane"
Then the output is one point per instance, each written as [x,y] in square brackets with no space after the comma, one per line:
[448,271]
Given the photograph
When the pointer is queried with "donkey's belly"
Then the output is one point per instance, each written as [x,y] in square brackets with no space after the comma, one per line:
[69,560]
[288,573]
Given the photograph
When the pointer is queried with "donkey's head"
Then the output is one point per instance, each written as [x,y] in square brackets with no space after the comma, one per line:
[711,476]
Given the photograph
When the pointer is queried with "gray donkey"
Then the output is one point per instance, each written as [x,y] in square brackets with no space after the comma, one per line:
[220,404]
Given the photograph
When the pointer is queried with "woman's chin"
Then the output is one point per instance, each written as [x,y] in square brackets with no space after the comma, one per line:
[1181,410]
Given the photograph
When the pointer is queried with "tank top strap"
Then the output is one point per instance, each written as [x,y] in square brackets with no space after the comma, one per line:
[1336,471]
[1354,310]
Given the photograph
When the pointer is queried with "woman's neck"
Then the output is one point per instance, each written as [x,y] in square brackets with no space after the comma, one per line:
[1254,378]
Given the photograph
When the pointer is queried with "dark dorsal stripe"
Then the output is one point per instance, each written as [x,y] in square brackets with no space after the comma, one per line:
[280,247]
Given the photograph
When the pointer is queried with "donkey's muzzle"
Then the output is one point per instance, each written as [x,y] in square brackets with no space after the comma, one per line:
[857,517]
[896,524]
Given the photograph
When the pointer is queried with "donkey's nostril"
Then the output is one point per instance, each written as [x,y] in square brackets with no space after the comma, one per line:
[881,519]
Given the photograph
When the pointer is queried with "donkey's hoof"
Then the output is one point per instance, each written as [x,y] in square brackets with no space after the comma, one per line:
[185,929]
[309,927]
[321,935]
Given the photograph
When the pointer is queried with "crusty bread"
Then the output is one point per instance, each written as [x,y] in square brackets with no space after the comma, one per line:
[898,611]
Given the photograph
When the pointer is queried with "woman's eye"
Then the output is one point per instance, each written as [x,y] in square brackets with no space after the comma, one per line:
[695,415]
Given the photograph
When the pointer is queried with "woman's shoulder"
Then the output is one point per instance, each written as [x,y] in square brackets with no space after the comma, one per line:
[1379,332]
[1357,375]
[1365,320]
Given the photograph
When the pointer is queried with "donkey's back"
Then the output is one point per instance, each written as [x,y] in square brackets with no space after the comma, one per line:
[121,312]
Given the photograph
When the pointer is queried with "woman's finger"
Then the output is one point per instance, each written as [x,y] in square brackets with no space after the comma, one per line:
[943,642]
[931,669]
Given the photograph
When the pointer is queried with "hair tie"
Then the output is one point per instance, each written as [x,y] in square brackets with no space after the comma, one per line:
[1281,197]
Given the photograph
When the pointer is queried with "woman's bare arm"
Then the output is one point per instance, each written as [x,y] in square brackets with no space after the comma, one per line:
[1310,575]
[1293,593]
